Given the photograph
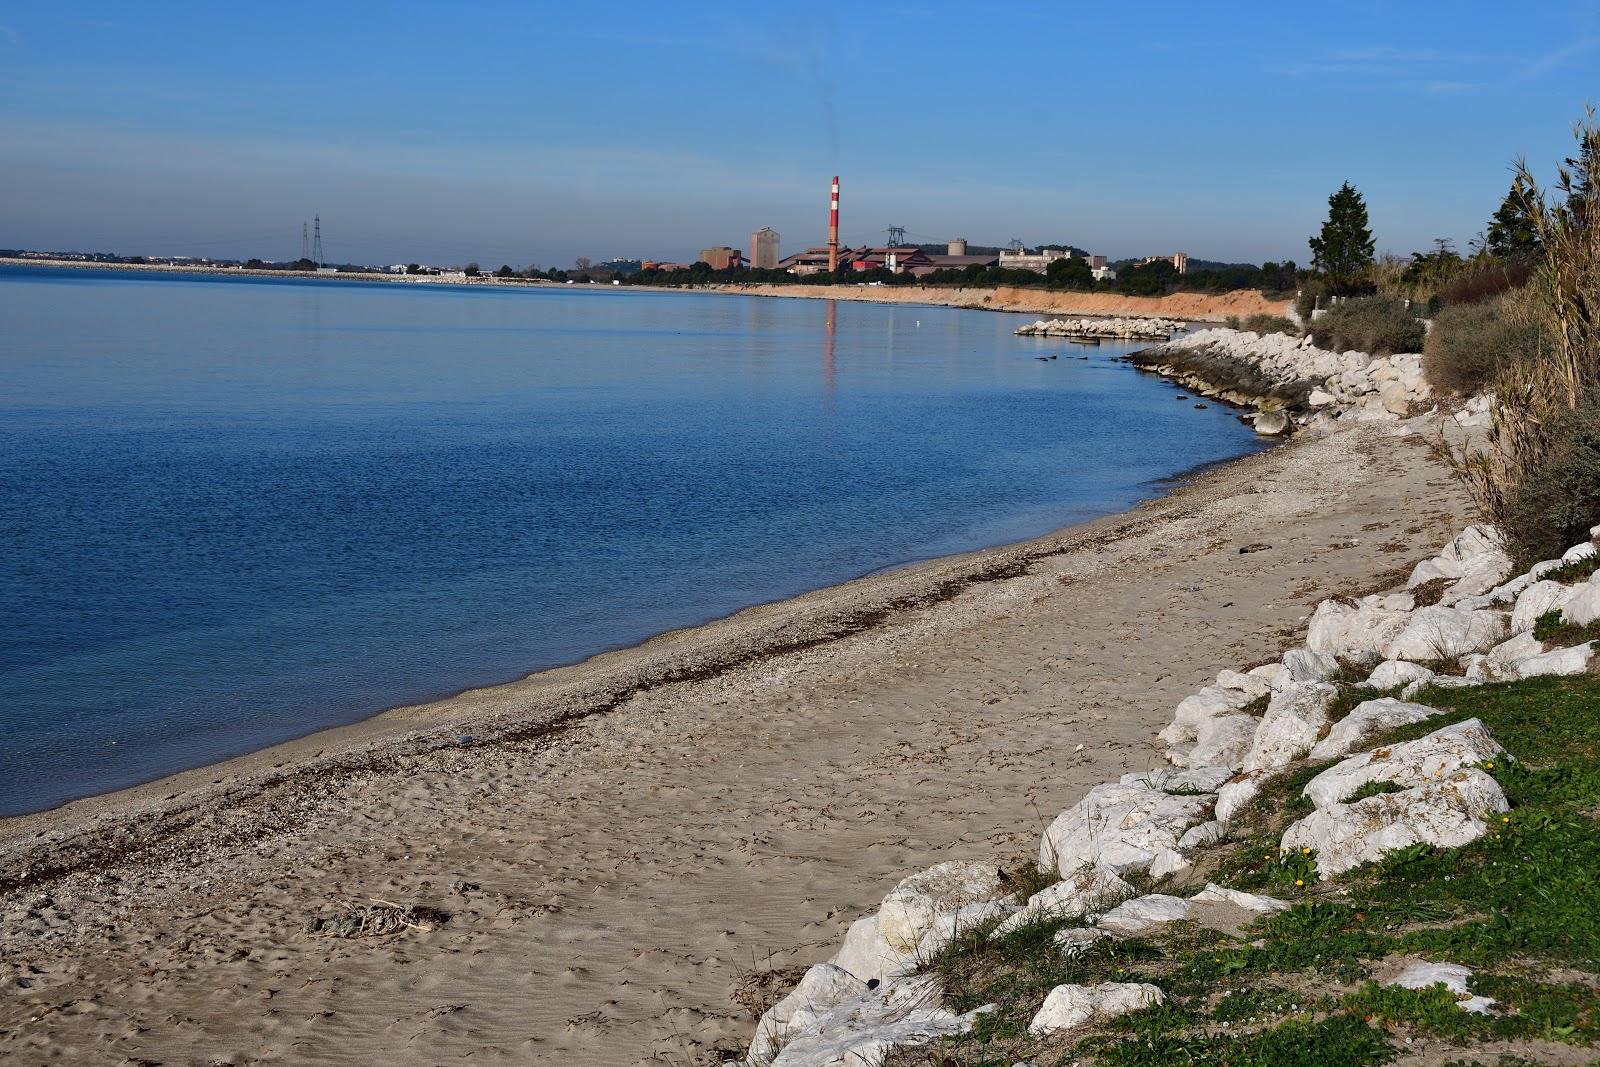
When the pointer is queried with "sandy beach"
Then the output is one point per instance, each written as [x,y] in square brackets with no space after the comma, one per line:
[1190,307]
[618,843]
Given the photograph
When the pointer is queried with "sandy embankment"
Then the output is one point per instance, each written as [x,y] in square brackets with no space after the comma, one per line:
[712,796]
[1191,307]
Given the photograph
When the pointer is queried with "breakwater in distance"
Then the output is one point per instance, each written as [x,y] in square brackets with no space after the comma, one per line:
[249,509]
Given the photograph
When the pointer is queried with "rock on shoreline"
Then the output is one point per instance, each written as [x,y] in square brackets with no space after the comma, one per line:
[1277,372]
[1121,328]
[1435,790]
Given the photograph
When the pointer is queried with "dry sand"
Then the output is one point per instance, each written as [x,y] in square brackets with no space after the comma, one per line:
[630,843]
[1189,307]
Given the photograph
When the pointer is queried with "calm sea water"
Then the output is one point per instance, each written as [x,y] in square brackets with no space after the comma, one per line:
[235,511]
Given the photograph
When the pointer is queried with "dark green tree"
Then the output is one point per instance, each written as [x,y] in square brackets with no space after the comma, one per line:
[1512,234]
[1071,273]
[1343,251]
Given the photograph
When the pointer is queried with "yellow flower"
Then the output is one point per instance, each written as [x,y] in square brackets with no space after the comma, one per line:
[1299,881]
[1505,818]
[1305,852]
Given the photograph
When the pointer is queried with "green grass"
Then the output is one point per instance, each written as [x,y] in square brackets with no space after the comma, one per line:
[1514,905]
[1553,629]
[1373,789]
[1577,570]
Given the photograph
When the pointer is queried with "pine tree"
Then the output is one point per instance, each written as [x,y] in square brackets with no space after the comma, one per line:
[1344,249]
[1512,233]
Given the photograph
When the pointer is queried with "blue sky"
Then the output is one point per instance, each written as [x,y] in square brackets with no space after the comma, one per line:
[539,132]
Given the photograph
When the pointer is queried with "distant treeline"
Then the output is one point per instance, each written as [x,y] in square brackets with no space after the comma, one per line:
[1150,279]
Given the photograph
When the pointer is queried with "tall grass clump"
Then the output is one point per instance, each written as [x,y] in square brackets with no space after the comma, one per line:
[1485,279]
[1265,324]
[1470,345]
[1539,477]
[1378,325]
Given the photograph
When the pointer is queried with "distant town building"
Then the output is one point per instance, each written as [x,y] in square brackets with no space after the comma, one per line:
[1096,262]
[813,260]
[1179,261]
[722,257]
[656,264]
[764,248]
[958,247]
[952,262]
[1103,273]
[1037,262]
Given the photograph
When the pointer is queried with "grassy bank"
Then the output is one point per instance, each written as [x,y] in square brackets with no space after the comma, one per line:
[1520,906]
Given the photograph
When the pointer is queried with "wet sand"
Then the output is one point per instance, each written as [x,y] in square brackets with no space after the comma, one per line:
[620,840]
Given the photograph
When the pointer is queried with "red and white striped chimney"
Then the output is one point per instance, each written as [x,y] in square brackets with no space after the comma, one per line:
[833,227]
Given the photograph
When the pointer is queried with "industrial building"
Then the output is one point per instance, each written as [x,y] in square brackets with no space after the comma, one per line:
[722,257]
[764,248]
[1038,262]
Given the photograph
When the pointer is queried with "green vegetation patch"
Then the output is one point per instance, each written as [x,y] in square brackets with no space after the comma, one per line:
[1298,986]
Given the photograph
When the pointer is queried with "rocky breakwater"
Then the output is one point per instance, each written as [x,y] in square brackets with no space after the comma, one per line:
[1459,620]
[1124,329]
[1289,380]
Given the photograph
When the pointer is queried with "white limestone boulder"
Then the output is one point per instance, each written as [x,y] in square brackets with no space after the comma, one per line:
[1395,673]
[1448,812]
[1253,686]
[1453,976]
[1558,661]
[1410,763]
[949,925]
[1202,835]
[1141,914]
[1224,741]
[1536,600]
[1304,666]
[1338,628]
[1275,675]
[822,987]
[1198,779]
[1581,550]
[1293,721]
[1235,797]
[911,908]
[1087,891]
[1076,940]
[1121,827]
[1071,1006]
[1583,607]
[1445,633]
[866,955]
[1214,893]
[1198,708]
[1498,660]
[1367,719]
[864,1029]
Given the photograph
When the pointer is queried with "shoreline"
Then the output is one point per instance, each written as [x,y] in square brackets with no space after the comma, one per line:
[611,876]
[566,694]
[1188,307]
[1191,307]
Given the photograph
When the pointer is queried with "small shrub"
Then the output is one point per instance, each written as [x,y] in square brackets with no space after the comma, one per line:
[1470,344]
[1265,324]
[1574,571]
[1557,498]
[1546,625]
[1377,325]
[1485,281]
[1310,294]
